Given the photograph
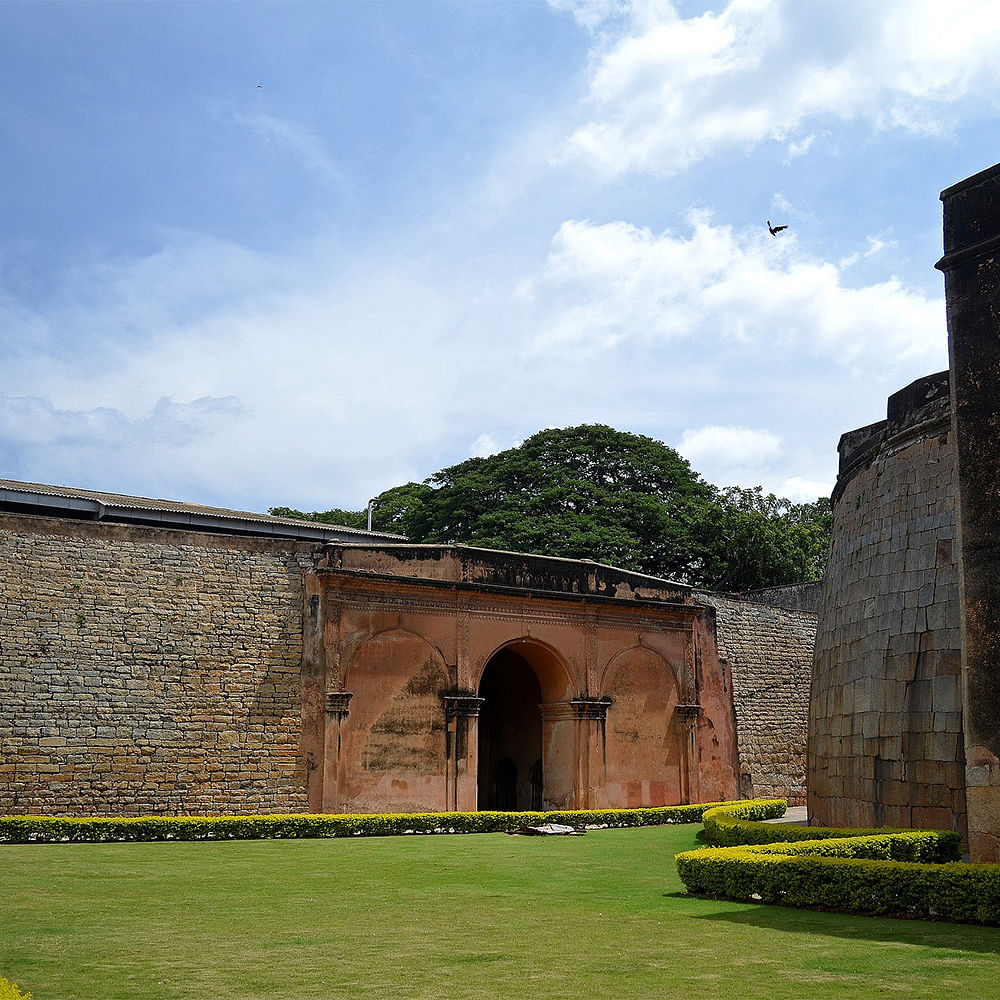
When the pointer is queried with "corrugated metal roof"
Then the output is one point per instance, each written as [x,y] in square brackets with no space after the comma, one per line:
[119,506]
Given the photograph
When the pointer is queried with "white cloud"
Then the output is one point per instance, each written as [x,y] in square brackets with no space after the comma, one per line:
[212,373]
[591,14]
[876,245]
[800,490]
[296,385]
[486,444]
[607,285]
[801,146]
[667,90]
[730,446]
[294,141]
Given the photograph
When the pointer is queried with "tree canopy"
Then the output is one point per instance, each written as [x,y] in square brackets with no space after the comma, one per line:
[597,493]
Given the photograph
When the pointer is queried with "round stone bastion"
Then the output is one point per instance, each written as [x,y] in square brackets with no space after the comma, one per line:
[885,713]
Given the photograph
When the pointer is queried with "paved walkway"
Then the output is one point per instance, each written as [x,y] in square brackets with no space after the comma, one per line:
[794,815]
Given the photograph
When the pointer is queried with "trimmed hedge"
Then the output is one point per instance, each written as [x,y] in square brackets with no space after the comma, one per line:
[49,829]
[899,872]
[737,824]
[11,991]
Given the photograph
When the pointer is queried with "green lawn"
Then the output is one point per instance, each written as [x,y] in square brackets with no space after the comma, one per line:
[485,915]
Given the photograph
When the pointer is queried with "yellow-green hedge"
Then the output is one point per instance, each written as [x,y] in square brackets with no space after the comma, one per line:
[49,829]
[737,824]
[907,872]
[11,991]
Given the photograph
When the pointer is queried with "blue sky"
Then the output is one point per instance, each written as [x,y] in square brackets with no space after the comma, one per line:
[260,254]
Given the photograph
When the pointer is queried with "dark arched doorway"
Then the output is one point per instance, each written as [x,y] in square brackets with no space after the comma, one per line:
[510,734]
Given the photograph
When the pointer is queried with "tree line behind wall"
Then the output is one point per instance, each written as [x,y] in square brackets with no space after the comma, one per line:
[592,492]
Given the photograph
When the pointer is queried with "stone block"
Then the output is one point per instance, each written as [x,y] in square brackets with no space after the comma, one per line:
[945,746]
[932,818]
[947,694]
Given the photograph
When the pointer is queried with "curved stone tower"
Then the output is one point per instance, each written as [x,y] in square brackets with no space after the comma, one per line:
[885,714]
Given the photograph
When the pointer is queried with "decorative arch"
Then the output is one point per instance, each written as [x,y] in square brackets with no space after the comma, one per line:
[644,744]
[394,739]
[550,667]
[347,666]
[526,752]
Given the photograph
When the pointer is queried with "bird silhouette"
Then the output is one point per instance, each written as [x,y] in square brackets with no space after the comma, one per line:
[774,230]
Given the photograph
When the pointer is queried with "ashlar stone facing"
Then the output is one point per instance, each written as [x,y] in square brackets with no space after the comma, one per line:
[885,738]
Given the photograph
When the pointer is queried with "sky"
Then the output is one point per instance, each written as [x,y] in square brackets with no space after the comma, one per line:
[294,254]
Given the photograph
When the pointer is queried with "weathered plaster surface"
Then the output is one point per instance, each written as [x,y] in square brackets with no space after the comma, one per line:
[613,672]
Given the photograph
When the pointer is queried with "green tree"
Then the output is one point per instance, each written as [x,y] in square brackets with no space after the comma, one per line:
[398,510]
[592,492]
[342,518]
[750,539]
[580,492]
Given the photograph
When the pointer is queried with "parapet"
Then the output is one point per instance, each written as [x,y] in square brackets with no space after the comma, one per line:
[918,408]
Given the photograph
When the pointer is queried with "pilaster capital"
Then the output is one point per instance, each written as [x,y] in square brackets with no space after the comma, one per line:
[337,703]
[591,708]
[464,706]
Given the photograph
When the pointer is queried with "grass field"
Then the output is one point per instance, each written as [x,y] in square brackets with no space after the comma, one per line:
[484,915]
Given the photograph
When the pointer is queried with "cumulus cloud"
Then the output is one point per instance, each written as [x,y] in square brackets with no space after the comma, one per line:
[591,14]
[665,90]
[801,146]
[210,372]
[604,285]
[486,444]
[730,445]
[801,490]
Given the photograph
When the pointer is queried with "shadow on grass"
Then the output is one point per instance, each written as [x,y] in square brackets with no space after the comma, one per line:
[925,933]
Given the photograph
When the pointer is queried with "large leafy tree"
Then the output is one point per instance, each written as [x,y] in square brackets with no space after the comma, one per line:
[750,539]
[596,493]
[581,492]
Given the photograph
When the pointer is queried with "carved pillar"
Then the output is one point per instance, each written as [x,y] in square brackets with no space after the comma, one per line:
[336,712]
[690,681]
[690,785]
[462,675]
[592,662]
[462,747]
[590,738]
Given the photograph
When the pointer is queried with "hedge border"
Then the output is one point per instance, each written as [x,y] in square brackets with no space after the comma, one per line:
[738,824]
[53,829]
[913,873]
[11,991]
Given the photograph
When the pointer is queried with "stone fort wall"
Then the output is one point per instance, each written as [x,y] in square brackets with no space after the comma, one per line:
[158,670]
[769,652]
[885,740]
[148,671]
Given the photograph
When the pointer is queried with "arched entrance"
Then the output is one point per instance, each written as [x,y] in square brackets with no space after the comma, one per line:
[523,749]
[510,735]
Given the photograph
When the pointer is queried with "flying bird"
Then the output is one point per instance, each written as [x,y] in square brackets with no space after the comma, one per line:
[774,230]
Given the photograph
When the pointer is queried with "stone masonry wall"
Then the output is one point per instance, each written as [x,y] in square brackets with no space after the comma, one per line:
[885,743]
[769,652]
[147,671]
[793,596]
